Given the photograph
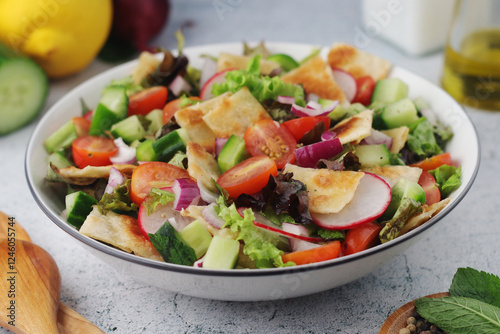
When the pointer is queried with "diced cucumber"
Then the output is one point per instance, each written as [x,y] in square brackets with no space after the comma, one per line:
[23,91]
[336,114]
[78,207]
[420,103]
[145,151]
[354,109]
[373,155]
[59,160]
[402,112]
[165,147]
[389,90]
[197,237]
[129,129]
[222,253]
[156,118]
[111,109]
[286,62]
[233,152]
[404,188]
[62,138]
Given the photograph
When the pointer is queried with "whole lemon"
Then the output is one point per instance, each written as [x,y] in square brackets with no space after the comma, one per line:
[63,36]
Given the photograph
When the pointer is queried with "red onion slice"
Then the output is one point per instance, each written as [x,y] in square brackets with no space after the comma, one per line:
[178,85]
[378,138]
[328,135]
[219,144]
[115,179]
[186,192]
[285,99]
[430,115]
[208,70]
[125,154]
[206,194]
[308,156]
[313,109]
[212,217]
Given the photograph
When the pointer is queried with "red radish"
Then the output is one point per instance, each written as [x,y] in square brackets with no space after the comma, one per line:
[296,244]
[206,90]
[346,82]
[208,69]
[262,222]
[371,199]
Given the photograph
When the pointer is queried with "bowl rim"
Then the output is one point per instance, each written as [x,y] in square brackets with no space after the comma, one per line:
[117,253]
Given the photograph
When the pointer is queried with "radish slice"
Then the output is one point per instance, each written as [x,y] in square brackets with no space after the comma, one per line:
[378,138]
[115,179]
[208,70]
[162,213]
[125,154]
[206,90]
[262,222]
[186,192]
[212,217]
[346,82]
[296,244]
[371,199]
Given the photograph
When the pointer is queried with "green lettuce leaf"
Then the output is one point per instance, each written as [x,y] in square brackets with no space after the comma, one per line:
[277,219]
[179,160]
[421,139]
[447,178]
[408,208]
[256,246]
[171,247]
[460,314]
[469,282]
[262,88]
[118,200]
[157,196]
[331,234]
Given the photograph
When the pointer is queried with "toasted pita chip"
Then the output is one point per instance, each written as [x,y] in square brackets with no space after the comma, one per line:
[191,119]
[89,174]
[235,114]
[428,212]
[202,166]
[316,77]
[228,61]
[392,174]
[195,212]
[328,191]
[399,137]
[354,128]
[357,62]
[147,64]
[120,231]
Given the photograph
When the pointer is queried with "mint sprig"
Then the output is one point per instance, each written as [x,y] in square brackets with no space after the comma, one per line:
[479,285]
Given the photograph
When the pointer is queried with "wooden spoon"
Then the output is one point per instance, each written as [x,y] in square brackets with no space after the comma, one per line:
[68,320]
[397,320]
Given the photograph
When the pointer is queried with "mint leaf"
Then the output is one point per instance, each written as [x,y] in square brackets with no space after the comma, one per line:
[469,282]
[460,314]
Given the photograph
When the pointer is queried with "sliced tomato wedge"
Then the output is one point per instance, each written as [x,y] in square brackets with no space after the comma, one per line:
[248,177]
[171,108]
[93,151]
[82,125]
[299,126]
[361,237]
[267,137]
[365,86]
[428,183]
[153,174]
[143,102]
[326,252]
[88,115]
[434,162]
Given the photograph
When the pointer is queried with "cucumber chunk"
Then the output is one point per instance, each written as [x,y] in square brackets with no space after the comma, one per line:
[111,109]
[78,207]
[129,129]
[23,91]
[62,138]
[197,237]
[156,118]
[373,155]
[404,188]
[165,147]
[233,152]
[59,160]
[222,253]
[389,90]
[402,112]
[286,62]
[145,151]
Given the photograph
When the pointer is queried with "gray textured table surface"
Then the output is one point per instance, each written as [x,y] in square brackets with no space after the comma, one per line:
[467,237]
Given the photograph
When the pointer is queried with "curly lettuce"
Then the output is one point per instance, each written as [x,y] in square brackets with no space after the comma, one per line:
[447,179]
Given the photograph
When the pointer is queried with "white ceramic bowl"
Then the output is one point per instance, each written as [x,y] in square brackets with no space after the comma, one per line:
[247,285]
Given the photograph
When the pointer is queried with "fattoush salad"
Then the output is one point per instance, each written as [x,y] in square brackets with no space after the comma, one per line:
[255,160]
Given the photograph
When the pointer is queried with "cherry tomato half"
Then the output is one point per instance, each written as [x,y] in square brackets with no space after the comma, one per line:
[365,86]
[428,183]
[299,126]
[434,162]
[143,102]
[173,106]
[322,253]
[82,125]
[93,151]
[248,177]
[361,237]
[267,137]
[153,174]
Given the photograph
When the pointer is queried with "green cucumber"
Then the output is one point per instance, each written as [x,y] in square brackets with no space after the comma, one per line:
[165,147]
[156,118]
[233,152]
[404,188]
[389,90]
[129,129]
[23,92]
[286,62]
[112,108]
[402,112]
[222,253]
[62,138]
[145,151]
[420,103]
[197,237]
[78,207]
[59,160]
[373,155]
